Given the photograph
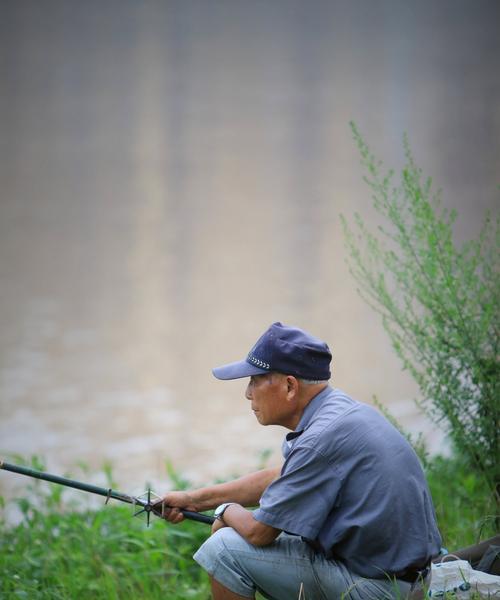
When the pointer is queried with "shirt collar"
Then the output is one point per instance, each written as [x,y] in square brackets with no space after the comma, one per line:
[308,413]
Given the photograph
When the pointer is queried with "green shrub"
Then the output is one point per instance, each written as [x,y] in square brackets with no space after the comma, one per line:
[439,302]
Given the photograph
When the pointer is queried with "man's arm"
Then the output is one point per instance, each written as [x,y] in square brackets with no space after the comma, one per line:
[243,521]
[246,491]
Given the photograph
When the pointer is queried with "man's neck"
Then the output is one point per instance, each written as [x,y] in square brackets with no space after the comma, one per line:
[307,392]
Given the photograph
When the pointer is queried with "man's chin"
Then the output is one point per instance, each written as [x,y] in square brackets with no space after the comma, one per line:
[258,416]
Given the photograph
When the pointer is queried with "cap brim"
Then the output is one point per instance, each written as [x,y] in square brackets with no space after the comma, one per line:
[237,370]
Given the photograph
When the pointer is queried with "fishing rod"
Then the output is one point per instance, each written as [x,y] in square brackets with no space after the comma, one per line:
[146,503]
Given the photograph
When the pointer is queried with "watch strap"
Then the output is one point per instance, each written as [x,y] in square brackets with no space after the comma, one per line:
[221,509]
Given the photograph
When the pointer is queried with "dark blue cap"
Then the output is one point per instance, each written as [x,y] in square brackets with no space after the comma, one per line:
[284,349]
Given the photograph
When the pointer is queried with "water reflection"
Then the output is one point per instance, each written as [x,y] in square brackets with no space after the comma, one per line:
[172,175]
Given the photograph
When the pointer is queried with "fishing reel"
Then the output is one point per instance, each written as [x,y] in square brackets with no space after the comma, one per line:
[145,503]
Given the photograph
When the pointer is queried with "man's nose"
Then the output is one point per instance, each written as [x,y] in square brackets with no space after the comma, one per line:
[248,394]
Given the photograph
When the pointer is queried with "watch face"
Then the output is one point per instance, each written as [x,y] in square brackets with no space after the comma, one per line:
[219,511]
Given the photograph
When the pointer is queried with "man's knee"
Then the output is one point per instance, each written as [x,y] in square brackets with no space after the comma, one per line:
[220,557]
[223,543]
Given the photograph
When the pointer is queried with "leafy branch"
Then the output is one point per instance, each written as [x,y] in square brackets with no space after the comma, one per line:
[438,301]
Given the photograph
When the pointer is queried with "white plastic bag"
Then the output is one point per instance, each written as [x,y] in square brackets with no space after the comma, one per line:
[459,577]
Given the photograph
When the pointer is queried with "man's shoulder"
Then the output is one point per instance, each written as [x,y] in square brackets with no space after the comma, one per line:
[322,431]
[341,422]
[340,409]
[337,406]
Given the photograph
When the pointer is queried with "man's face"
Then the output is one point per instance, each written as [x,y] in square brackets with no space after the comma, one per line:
[269,397]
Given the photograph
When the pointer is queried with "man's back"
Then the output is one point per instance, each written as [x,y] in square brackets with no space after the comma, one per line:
[353,486]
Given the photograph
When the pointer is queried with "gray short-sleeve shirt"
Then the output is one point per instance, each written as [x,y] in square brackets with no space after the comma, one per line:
[353,486]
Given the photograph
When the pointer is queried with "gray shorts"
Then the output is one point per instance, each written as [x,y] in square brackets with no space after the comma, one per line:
[278,571]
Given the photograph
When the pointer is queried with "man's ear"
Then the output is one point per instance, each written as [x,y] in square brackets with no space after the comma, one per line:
[292,386]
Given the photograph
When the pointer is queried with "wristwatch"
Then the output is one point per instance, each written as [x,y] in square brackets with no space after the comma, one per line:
[219,511]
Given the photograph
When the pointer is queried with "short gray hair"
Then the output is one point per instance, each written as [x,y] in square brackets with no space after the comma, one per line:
[304,381]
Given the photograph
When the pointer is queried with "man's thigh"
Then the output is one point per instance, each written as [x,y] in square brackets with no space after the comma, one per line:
[277,571]
[280,570]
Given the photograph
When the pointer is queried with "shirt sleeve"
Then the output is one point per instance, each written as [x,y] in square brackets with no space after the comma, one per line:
[300,500]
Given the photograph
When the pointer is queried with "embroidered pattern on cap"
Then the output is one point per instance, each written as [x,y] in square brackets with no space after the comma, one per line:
[258,363]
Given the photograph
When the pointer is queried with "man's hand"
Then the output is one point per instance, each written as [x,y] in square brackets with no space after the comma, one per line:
[169,506]
[218,524]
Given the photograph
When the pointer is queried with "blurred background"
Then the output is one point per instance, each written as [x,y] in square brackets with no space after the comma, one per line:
[172,175]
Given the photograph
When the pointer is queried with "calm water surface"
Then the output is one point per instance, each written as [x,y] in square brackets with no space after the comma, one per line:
[171,179]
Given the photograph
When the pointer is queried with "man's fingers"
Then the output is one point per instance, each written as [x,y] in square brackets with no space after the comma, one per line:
[170,514]
[171,505]
[176,516]
[217,524]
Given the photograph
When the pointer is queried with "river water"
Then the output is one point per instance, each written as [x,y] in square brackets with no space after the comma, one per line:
[172,175]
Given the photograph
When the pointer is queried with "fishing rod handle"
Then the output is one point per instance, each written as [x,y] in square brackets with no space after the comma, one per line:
[200,517]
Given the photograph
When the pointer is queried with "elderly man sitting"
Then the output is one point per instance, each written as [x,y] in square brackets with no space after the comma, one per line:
[348,515]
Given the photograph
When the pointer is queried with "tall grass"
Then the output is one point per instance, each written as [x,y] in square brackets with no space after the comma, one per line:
[66,552]
[62,551]
[465,506]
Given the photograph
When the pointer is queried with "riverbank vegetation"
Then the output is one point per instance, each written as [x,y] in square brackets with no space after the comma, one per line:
[62,549]
[439,301]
